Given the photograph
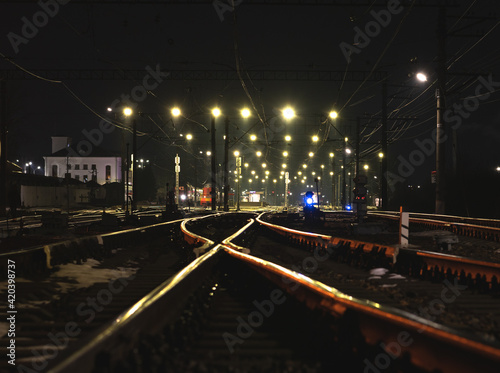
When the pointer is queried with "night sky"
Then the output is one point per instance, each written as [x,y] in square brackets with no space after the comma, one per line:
[261,37]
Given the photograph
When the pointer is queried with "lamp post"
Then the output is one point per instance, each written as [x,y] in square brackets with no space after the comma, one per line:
[127,163]
[332,174]
[237,179]
[287,180]
[128,112]
[381,202]
[344,166]
[226,159]
[213,191]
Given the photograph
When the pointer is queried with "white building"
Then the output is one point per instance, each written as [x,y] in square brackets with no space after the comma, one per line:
[101,166]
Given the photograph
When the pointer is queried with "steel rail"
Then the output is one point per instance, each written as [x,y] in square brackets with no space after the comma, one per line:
[479,230]
[434,347]
[482,272]
[315,239]
[429,345]
[43,257]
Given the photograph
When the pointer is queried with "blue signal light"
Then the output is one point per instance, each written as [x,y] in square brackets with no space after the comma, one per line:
[348,207]
[309,201]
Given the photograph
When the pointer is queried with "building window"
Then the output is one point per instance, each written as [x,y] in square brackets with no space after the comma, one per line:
[54,170]
[77,166]
[108,173]
[68,166]
[94,167]
[85,178]
[77,177]
[85,166]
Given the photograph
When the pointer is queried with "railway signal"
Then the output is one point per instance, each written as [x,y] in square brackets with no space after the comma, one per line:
[360,192]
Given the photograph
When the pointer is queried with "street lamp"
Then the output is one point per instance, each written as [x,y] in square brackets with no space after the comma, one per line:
[128,112]
[288,113]
[333,114]
[176,112]
[421,77]
[440,207]
[238,173]
[245,113]
[332,174]
[215,113]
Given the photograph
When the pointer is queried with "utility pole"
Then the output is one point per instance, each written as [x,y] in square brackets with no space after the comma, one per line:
[286,189]
[127,164]
[238,182]
[226,158]
[213,190]
[358,140]
[441,107]
[334,196]
[344,166]
[383,181]
[177,174]
[134,166]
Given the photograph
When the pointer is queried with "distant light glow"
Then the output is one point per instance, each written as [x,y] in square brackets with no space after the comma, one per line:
[189,136]
[285,154]
[176,111]
[245,113]
[127,111]
[236,153]
[348,151]
[258,154]
[253,137]
[216,112]
[332,155]
[315,138]
[421,77]
[381,155]
[311,154]
[333,114]
[288,113]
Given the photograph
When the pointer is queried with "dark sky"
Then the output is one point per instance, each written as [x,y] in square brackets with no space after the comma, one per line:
[270,37]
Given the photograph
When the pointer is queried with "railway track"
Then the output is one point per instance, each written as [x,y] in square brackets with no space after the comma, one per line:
[230,311]
[486,229]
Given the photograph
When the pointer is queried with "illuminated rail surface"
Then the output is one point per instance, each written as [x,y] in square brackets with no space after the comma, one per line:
[229,307]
